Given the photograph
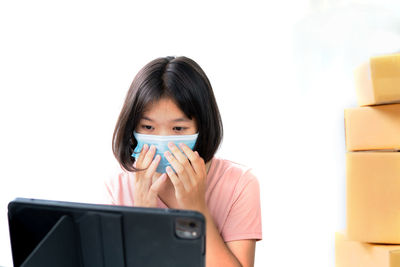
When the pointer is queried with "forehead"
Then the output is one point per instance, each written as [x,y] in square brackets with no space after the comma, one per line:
[165,108]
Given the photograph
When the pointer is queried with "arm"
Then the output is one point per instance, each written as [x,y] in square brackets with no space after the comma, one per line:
[189,183]
[244,251]
[235,253]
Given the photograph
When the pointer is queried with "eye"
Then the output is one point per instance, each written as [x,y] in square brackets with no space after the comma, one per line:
[179,129]
[147,127]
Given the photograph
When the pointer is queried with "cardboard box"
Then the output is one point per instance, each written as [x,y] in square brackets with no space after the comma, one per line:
[373,197]
[350,253]
[378,80]
[373,128]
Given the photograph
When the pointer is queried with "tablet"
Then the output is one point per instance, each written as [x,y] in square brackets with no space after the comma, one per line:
[53,233]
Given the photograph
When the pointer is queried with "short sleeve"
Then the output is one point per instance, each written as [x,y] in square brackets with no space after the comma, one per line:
[119,190]
[244,218]
[108,193]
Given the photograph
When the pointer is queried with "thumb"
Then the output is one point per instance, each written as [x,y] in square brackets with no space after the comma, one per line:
[156,186]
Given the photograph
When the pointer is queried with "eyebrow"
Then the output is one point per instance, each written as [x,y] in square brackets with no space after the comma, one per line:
[182,119]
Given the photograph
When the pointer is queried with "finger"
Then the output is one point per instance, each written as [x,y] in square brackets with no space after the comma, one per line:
[197,162]
[177,153]
[156,186]
[190,154]
[184,174]
[181,158]
[148,158]
[141,154]
[153,166]
[146,178]
[178,184]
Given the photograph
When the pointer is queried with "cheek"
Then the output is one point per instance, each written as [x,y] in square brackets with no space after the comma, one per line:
[193,129]
[194,126]
[138,129]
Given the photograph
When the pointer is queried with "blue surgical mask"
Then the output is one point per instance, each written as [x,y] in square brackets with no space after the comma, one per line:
[161,143]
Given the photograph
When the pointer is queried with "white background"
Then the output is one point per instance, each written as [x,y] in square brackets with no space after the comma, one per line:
[282,72]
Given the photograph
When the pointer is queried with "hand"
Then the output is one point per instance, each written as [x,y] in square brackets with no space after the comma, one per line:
[146,183]
[189,180]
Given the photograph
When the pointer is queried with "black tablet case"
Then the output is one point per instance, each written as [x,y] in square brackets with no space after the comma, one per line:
[52,233]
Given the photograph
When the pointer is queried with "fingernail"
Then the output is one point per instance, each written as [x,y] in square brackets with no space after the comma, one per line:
[170,144]
[152,147]
[167,154]
[145,146]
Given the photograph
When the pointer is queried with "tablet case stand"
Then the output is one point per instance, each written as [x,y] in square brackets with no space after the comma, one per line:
[100,243]
[46,233]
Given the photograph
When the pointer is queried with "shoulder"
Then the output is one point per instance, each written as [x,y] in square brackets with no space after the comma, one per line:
[117,180]
[231,176]
[118,186]
[234,200]
[233,171]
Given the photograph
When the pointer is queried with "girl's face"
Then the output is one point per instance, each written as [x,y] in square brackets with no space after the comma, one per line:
[165,118]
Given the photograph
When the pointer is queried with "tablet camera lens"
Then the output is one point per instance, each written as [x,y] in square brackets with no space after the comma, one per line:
[186,228]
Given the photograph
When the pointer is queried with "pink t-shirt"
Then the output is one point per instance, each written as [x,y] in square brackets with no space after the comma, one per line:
[232,196]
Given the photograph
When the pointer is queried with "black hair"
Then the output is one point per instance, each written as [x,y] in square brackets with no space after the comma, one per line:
[182,80]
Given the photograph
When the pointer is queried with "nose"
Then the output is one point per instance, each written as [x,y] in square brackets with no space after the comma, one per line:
[164,132]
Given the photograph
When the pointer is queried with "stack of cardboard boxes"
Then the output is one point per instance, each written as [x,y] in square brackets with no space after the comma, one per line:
[372,237]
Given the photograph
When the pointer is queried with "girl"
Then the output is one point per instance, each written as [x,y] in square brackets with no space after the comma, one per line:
[165,140]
